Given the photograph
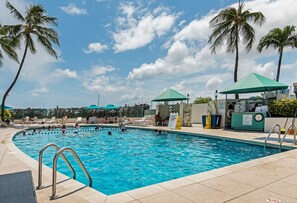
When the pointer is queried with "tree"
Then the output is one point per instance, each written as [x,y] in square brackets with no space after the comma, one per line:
[8,45]
[34,25]
[278,38]
[229,25]
[202,100]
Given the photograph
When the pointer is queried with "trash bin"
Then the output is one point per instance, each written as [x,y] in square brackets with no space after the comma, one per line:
[204,121]
[215,121]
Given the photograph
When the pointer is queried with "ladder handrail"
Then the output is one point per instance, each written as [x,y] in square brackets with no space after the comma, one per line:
[279,131]
[54,180]
[40,163]
[294,128]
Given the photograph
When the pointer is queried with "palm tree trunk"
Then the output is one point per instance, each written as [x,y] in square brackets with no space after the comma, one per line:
[236,60]
[14,81]
[279,63]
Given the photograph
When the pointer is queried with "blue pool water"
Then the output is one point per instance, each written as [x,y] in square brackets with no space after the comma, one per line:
[136,158]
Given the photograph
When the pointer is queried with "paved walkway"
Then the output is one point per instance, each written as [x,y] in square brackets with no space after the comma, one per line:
[260,180]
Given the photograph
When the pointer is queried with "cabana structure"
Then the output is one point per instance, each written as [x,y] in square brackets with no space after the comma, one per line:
[167,96]
[245,119]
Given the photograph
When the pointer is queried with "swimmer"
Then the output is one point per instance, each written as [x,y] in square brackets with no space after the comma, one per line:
[24,132]
[156,130]
[49,127]
[109,132]
[63,129]
[96,128]
[34,130]
[76,125]
[159,131]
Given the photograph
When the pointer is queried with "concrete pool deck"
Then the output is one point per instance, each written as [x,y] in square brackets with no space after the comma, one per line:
[273,177]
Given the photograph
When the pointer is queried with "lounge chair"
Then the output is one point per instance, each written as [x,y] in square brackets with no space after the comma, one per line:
[64,119]
[93,120]
[146,120]
[79,120]
[53,119]
[2,124]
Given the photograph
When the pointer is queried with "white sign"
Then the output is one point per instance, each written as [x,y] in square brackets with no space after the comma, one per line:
[172,120]
[247,119]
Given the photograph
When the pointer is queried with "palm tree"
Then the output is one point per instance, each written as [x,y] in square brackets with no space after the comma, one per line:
[8,45]
[278,38]
[34,25]
[229,25]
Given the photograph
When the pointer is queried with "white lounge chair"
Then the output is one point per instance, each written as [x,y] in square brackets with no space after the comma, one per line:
[53,119]
[146,120]
[93,119]
[2,123]
[79,120]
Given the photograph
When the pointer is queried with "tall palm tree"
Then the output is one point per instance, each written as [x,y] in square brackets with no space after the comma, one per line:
[278,38]
[34,25]
[230,25]
[8,45]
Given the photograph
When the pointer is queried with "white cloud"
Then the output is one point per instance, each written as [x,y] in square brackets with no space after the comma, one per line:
[72,9]
[101,70]
[188,51]
[36,92]
[213,83]
[135,32]
[95,47]
[63,73]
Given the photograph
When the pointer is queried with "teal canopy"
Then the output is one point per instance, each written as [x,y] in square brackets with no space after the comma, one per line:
[93,106]
[170,95]
[110,107]
[254,83]
[6,107]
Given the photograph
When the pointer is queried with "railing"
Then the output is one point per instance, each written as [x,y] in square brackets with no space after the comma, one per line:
[271,131]
[54,183]
[40,163]
[288,130]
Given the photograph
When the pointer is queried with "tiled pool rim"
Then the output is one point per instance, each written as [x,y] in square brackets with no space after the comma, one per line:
[160,187]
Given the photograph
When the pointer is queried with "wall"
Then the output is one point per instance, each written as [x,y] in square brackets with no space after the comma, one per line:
[197,111]
[270,122]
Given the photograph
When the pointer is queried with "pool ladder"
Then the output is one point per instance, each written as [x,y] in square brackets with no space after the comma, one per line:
[54,179]
[291,127]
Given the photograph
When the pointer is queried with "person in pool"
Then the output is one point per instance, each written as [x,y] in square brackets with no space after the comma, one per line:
[109,133]
[63,129]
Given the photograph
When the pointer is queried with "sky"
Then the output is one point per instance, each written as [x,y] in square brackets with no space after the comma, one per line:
[128,52]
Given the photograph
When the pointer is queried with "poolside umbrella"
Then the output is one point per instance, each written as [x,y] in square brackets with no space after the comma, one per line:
[111,107]
[92,107]
[6,107]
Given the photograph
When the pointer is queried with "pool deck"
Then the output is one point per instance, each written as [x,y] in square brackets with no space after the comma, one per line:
[273,177]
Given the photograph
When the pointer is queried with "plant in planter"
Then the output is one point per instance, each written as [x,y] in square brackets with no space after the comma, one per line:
[283,108]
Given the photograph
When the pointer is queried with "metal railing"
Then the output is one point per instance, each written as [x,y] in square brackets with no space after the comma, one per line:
[54,180]
[39,186]
[271,131]
[288,130]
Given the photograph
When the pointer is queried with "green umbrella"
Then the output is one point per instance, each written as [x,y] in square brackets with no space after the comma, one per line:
[110,107]
[6,107]
[254,83]
[92,107]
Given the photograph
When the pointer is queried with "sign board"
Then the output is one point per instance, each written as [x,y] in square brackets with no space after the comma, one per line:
[247,119]
[172,120]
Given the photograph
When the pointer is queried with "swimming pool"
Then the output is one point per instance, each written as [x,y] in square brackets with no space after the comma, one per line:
[136,158]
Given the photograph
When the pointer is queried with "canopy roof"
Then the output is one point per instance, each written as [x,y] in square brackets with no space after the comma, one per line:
[170,95]
[254,83]
[93,106]
[6,107]
[110,107]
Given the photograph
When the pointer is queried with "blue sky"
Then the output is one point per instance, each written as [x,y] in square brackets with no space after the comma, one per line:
[131,51]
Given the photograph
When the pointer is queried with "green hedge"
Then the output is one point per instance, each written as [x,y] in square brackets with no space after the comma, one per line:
[283,108]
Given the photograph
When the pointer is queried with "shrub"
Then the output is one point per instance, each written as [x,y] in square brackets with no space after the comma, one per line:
[7,114]
[283,108]
[202,100]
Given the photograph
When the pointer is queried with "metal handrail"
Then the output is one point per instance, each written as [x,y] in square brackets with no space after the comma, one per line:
[279,131]
[293,128]
[54,183]
[40,163]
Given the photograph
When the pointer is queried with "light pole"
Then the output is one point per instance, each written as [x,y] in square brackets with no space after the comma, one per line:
[98,98]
